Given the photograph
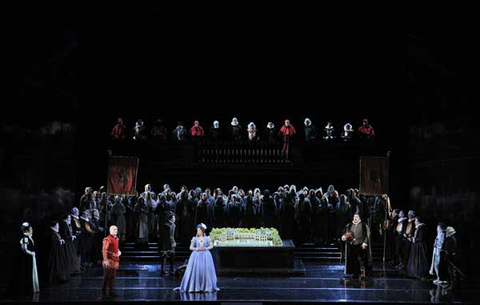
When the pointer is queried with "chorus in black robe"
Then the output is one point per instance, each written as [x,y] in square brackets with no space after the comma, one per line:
[219,213]
[234,211]
[358,249]
[323,222]
[57,268]
[407,237]
[342,215]
[288,221]
[270,133]
[418,265]
[186,214]
[97,241]
[77,231]
[235,130]
[304,214]
[66,233]
[268,211]
[215,132]
[85,241]
[201,211]
[310,131]
[355,204]
[391,239]
[250,216]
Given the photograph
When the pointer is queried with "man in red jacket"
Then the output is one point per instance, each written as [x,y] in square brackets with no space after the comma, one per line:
[111,258]
[287,132]
[197,131]
[118,132]
[366,131]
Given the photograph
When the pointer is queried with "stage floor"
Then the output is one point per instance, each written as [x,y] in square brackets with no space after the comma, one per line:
[322,283]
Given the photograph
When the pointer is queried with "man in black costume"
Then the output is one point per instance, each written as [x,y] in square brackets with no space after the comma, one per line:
[358,257]
[167,243]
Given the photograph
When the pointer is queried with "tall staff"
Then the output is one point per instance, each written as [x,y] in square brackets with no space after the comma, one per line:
[387,211]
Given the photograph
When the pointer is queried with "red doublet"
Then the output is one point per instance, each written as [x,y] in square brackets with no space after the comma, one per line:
[197,131]
[287,131]
[110,251]
[367,130]
[118,130]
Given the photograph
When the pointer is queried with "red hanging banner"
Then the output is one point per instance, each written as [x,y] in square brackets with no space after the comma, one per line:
[373,175]
[122,175]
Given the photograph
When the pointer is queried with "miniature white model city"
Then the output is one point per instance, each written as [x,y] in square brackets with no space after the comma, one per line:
[231,237]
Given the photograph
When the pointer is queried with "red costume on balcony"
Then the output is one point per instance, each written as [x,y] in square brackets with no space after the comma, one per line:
[287,132]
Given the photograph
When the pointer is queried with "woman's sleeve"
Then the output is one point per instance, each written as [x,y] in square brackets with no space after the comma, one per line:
[192,245]
[24,244]
[209,244]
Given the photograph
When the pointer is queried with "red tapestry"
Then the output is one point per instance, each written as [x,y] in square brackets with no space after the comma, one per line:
[373,175]
[122,175]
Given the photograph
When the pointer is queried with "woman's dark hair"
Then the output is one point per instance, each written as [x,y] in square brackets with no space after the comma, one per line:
[25,227]
[442,226]
[201,227]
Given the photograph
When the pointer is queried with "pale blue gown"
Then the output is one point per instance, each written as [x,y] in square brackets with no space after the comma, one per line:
[200,275]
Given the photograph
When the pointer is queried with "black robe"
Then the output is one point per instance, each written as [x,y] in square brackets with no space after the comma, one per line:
[304,214]
[186,215]
[418,265]
[201,212]
[354,252]
[57,266]
[288,222]
[22,280]
[235,213]
[342,217]
[66,234]
[323,222]
[250,216]
[310,132]
[236,133]
[268,210]
[214,134]
[270,135]
[219,213]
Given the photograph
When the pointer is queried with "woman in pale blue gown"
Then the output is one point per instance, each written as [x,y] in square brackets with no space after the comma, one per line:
[200,275]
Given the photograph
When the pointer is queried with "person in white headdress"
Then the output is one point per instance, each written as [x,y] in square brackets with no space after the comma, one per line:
[310,131]
[252,132]
[235,130]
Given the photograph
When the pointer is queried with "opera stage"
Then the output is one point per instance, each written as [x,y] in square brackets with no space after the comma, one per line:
[322,283]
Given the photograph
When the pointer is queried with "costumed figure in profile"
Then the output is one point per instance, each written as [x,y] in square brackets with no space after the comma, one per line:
[200,275]
[25,281]
[167,243]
